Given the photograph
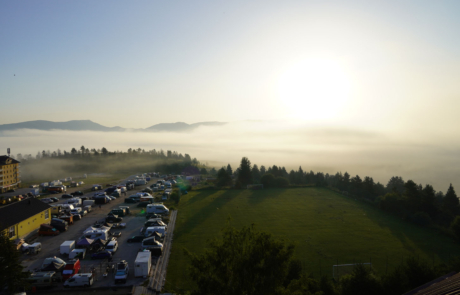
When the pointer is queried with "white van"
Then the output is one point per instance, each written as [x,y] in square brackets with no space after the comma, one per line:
[152,229]
[80,280]
[112,247]
[157,209]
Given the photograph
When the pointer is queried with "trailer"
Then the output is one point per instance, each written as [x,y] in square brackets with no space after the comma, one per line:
[142,264]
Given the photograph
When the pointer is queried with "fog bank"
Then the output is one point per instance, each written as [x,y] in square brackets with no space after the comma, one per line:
[422,158]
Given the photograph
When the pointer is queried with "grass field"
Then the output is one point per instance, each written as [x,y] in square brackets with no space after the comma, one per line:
[326,227]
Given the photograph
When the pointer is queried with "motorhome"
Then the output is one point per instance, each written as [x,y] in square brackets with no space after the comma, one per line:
[100,233]
[74,201]
[43,279]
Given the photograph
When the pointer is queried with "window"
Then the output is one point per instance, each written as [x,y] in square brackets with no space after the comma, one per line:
[47,214]
[11,232]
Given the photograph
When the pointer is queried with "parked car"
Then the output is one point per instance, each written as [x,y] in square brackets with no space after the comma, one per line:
[76,216]
[47,230]
[77,193]
[136,239]
[113,219]
[122,272]
[112,198]
[46,201]
[66,196]
[10,191]
[54,199]
[101,255]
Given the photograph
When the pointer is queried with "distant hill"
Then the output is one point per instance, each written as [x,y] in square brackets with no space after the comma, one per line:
[180,126]
[88,125]
[75,125]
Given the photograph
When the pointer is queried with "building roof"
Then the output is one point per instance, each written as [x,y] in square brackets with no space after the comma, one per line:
[14,213]
[4,158]
[446,285]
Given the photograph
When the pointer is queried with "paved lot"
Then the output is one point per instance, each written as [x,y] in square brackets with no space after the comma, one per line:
[128,252]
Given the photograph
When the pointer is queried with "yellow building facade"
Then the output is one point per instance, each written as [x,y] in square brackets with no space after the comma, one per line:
[10,177]
[24,217]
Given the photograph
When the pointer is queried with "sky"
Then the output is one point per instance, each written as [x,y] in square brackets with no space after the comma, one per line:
[389,68]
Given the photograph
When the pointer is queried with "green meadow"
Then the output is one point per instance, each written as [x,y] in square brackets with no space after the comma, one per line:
[326,227]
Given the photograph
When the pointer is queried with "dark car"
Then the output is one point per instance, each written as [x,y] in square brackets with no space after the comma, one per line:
[136,239]
[76,216]
[66,196]
[10,191]
[101,255]
[113,219]
[77,193]
[151,215]
[54,199]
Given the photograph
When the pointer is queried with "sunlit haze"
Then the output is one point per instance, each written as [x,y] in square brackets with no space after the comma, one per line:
[361,86]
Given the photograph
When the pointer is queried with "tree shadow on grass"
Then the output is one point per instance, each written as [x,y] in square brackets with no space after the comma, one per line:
[200,196]
[199,217]
[412,237]
[258,196]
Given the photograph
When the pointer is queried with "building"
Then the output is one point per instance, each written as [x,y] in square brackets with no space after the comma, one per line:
[21,218]
[9,174]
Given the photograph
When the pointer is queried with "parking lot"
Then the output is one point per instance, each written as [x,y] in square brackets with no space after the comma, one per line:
[126,251]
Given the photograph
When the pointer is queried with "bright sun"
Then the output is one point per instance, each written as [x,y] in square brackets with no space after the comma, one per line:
[314,89]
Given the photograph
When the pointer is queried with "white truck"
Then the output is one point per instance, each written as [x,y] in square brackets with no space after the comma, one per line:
[67,247]
[142,264]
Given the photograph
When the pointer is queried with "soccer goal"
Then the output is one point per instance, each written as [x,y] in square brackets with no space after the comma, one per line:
[339,270]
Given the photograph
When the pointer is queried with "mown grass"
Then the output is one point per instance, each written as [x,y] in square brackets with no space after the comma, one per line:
[326,227]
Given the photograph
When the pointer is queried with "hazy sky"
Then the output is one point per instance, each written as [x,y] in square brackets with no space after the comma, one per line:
[373,87]
[391,65]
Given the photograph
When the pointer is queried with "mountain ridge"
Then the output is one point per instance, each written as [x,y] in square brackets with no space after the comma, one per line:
[88,125]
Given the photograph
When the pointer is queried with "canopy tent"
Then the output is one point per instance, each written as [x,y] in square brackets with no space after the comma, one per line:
[54,266]
[85,242]
[100,242]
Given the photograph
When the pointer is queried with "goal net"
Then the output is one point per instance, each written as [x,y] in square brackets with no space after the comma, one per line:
[339,270]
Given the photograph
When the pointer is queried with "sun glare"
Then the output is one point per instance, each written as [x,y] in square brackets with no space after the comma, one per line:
[314,89]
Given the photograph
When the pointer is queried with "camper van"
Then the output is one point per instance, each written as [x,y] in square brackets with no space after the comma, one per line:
[112,247]
[80,280]
[157,209]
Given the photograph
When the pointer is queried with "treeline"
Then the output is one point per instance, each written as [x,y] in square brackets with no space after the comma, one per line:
[412,202]
[85,152]
[47,165]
